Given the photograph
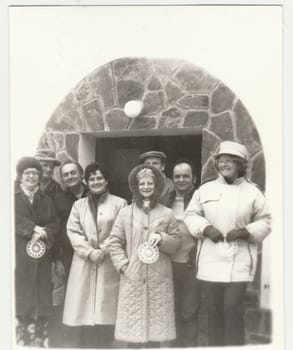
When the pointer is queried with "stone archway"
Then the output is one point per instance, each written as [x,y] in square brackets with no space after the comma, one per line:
[176,94]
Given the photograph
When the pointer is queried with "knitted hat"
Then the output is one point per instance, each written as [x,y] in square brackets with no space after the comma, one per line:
[133,181]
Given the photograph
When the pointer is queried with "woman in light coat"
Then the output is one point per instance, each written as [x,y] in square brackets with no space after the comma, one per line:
[145,314]
[230,217]
[92,289]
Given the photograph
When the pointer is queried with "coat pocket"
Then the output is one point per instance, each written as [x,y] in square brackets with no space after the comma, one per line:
[210,196]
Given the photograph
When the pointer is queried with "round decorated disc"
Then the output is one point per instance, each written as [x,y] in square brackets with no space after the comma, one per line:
[36,249]
[148,254]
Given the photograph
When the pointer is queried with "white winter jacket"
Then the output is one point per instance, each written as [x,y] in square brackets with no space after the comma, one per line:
[228,207]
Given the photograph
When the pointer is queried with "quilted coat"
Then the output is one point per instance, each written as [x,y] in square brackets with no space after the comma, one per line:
[92,290]
[33,284]
[145,305]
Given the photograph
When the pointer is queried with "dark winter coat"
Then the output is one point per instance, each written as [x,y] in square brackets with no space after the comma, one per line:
[33,285]
[189,243]
[62,248]
[52,189]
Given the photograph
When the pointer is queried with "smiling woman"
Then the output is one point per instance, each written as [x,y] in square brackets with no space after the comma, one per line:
[143,238]
[35,228]
[230,217]
[94,302]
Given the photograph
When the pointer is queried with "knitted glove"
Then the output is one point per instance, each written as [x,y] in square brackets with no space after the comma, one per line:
[213,234]
[240,233]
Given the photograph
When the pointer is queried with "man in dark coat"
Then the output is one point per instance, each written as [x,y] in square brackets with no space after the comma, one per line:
[187,289]
[48,161]
[71,174]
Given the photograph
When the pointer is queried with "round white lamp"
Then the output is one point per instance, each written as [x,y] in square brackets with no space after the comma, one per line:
[133,108]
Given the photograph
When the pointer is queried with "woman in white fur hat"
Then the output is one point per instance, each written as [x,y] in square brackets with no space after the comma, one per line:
[230,218]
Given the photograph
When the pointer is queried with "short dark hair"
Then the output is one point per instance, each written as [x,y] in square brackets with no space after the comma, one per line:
[79,167]
[186,161]
[92,168]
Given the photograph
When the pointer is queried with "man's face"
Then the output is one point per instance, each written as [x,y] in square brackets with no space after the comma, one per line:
[70,175]
[183,178]
[156,162]
[48,168]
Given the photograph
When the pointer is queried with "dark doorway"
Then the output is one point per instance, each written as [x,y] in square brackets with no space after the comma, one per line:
[120,155]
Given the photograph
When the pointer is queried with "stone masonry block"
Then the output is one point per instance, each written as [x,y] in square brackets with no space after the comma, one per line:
[221,99]
[222,126]
[93,116]
[196,118]
[129,90]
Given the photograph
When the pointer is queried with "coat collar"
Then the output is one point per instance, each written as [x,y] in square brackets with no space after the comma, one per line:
[236,182]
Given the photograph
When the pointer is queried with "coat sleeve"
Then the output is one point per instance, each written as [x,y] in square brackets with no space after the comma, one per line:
[260,226]
[171,240]
[194,216]
[24,226]
[52,226]
[117,243]
[105,246]
[75,233]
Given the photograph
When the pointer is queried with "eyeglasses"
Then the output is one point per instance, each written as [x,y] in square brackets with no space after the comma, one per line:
[31,173]
[225,161]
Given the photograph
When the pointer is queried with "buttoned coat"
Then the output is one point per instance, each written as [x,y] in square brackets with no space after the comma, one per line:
[33,286]
[92,290]
[146,300]
[227,207]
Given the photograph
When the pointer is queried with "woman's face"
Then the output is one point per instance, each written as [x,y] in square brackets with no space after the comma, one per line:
[228,167]
[30,178]
[146,186]
[97,183]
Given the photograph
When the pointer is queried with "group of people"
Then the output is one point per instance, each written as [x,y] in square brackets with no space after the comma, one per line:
[133,273]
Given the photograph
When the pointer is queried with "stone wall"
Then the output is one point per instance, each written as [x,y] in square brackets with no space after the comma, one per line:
[176,94]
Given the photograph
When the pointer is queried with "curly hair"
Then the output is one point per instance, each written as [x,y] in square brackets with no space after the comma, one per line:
[133,184]
[242,164]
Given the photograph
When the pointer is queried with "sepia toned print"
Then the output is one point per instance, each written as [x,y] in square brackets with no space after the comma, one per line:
[121,256]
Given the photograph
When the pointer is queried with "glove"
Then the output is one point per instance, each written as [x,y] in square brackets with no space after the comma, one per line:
[155,239]
[213,234]
[96,256]
[240,233]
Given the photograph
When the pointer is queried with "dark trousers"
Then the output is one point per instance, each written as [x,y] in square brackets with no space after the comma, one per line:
[98,336]
[225,310]
[187,303]
[60,335]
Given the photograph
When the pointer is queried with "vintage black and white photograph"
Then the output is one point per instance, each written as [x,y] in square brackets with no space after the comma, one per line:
[146,174]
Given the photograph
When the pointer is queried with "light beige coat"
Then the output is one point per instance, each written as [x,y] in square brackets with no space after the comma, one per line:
[92,290]
[228,207]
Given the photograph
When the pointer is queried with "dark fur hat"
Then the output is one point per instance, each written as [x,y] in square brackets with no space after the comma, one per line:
[26,163]
[133,184]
